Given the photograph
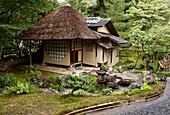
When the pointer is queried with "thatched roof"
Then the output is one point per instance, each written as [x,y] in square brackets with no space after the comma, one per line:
[64,23]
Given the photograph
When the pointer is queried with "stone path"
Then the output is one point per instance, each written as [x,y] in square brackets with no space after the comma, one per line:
[160,106]
[75,71]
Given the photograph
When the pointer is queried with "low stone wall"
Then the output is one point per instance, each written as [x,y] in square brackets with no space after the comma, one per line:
[6,63]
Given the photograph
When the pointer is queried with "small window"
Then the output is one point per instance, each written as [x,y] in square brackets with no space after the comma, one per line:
[88,46]
[76,43]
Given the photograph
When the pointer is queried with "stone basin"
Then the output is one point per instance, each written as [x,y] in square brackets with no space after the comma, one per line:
[101,72]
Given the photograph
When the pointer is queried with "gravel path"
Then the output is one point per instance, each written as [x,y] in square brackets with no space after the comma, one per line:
[160,106]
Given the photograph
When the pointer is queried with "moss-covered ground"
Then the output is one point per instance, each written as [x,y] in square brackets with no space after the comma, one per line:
[43,103]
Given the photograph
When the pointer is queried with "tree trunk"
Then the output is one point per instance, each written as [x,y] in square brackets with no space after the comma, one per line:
[146,63]
[19,51]
[137,58]
[0,52]
[101,7]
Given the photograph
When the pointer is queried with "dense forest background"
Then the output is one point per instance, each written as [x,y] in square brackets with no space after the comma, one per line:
[144,23]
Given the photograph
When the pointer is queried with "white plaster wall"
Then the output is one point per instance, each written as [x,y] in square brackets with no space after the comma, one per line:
[89,57]
[99,54]
[103,29]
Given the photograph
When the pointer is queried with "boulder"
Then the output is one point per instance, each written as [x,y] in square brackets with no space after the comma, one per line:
[41,82]
[123,68]
[126,82]
[126,75]
[135,85]
[111,78]
[64,80]
[149,76]
[113,81]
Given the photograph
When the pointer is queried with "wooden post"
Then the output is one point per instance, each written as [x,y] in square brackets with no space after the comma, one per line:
[74,54]
[81,52]
[30,54]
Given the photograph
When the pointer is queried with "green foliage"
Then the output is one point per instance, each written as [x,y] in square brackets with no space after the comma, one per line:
[116,67]
[149,30]
[129,60]
[54,79]
[86,82]
[18,15]
[7,80]
[32,74]
[90,83]
[131,65]
[163,75]
[153,66]
[20,88]
[81,93]
[56,82]
[104,67]
[105,91]
[117,93]
[142,89]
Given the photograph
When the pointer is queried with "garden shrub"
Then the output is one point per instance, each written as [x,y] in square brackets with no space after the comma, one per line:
[7,80]
[116,67]
[105,91]
[104,67]
[131,65]
[142,89]
[81,93]
[117,93]
[163,75]
[153,66]
[129,61]
[23,87]
[41,82]
[140,65]
[32,74]
[56,83]
[90,83]
[86,82]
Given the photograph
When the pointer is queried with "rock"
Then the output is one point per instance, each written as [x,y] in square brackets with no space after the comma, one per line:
[64,80]
[123,68]
[150,77]
[113,81]
[112,85]
[111,78]
[49,91]
[84,73]
[41,82]
[130,76]
[126,82]
[135,85]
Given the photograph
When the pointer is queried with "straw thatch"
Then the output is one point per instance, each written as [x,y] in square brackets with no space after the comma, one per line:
[64,23]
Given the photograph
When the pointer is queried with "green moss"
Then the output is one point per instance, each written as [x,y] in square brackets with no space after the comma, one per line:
[42,103]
